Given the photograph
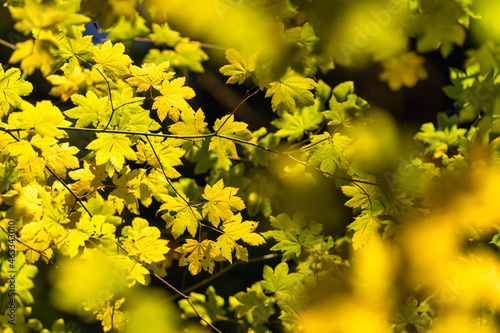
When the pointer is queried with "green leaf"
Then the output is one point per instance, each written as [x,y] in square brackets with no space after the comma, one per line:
[294,126]
[253,304]
[279,280]
[210,306]
[241,65]
[328,152]
[290,91]
[162,34]
[292,236]
[345,106]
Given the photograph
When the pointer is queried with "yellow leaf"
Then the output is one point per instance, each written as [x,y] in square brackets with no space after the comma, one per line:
[173,99]
[114,148]
[404,70]
[234,230]
[110,59]
[149,75]
[60,158]
[11,88]
[196,256]
[43,118]
[222,202]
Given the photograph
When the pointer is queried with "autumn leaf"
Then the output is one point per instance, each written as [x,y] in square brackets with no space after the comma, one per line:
[404,70]
[149,75]
[173,99]
[228,127]
[234,230]
[366,227]
[43,118]
[143,241]
[110,59]
[114,148]
[222,202]
[190,123]
[12,87]
[60,158]
[290,91]
[90,109]
[180,215]
[196,255]
[241,65]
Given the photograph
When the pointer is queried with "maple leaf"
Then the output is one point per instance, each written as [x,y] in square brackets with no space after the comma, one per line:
[169,156]
[290,91]
[188,56]
[74,240]
[173,99]
[291,236]
[66,86]
[241,65]
[149,75]
[279,280]
[180,216]
[196,255]
[112,147]
[27,204]
[36,242]
[122,195]
[222,202]
[366,226]
[88,179]
[144,241]
[112,318]
[404,70]
[364,196]
[43,118]
[345,105]
[253,304]
[90,109]
[60,158]
[27,158]
[110,59]
[234,229]
[293,126]
[57,16]
[66,47]
[190,123]
[228,127]
[8,175]
[11,88]
[328,151]
[134,270]
[162,34]
[33,54]
[209,305]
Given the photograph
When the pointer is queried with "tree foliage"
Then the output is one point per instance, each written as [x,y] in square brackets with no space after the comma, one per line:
[122,177]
